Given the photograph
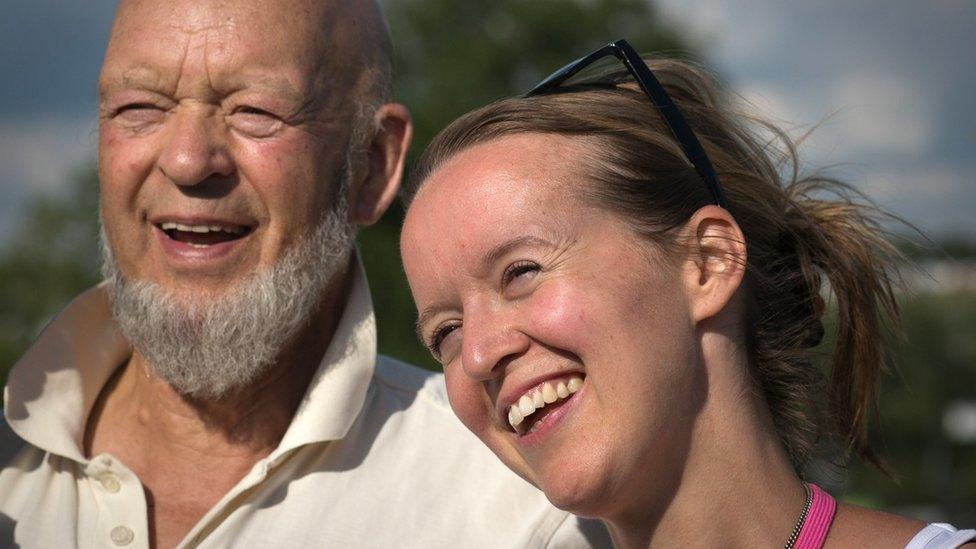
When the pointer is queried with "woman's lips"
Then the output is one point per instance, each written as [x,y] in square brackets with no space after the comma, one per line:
[536,403]
[550,419]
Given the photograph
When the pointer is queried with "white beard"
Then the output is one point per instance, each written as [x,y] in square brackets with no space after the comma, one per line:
[208,347]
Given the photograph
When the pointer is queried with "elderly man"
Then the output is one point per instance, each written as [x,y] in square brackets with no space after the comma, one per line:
[222,388]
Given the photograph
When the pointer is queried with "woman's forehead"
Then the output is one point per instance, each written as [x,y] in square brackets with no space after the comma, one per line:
[492,193]
[516,168]
[506,178]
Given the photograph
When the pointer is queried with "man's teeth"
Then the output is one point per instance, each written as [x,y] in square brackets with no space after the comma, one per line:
[200,228]
[539,397]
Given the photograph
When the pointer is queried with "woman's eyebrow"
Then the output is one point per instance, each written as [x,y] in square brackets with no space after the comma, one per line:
[507,246]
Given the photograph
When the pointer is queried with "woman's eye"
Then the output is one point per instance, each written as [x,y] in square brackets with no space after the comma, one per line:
[519,271]
[255,122]
[440,338]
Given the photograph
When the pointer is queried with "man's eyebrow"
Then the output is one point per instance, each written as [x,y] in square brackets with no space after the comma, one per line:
[492,256]
[278,85]
[138,77]
[145,77]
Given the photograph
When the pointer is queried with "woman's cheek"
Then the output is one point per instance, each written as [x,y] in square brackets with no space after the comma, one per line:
[561,316]
[468,400]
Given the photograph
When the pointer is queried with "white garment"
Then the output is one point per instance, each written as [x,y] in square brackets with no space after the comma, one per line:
[374,457]
[940,536]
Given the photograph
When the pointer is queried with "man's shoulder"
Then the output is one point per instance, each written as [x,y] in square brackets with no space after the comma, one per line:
[19,475]
[408,408]
[420,433]
[413,424]
[10,443]
[410,382]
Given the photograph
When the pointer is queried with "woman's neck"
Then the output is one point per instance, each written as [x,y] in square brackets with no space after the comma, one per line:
[737,487]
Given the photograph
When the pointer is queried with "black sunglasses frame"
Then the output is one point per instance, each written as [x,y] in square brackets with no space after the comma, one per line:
[659,98]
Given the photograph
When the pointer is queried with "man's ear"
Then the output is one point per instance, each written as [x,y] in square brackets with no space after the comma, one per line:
[717,263]
[385,156]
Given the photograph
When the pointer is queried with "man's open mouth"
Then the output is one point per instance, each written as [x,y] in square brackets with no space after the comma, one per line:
[201,236]
[532,408]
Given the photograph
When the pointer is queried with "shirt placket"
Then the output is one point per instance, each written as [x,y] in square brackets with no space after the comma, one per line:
[122,517]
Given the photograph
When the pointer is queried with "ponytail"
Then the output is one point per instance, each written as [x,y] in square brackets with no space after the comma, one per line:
[841,241]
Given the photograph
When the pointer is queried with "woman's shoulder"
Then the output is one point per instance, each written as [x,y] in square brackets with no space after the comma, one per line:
[942,536]
[860,527]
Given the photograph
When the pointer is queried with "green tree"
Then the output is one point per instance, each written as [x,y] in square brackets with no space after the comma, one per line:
[52,257]
[933,365]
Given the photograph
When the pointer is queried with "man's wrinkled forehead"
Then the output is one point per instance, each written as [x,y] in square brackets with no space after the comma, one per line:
[317,37]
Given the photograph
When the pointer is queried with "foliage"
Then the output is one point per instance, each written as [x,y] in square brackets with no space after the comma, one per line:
[933,365]
[53,256]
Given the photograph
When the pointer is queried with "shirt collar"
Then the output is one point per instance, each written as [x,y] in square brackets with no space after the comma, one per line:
[52,388]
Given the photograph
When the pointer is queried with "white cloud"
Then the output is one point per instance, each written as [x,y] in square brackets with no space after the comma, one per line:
[936,197]
[732,31]
[40,155]
[771,102]
[909,184]
[883,113]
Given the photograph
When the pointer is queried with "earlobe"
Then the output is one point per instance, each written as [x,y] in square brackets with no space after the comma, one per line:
[718,262]
[386,154]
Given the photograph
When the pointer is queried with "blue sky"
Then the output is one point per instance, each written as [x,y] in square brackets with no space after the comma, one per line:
[890,83]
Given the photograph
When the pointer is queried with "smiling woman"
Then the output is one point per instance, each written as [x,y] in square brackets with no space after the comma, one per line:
[625,299]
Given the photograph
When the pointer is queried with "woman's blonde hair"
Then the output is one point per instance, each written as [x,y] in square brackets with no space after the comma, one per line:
[805,234]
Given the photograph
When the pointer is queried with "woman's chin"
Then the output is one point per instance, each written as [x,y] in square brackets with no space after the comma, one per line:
[582,495]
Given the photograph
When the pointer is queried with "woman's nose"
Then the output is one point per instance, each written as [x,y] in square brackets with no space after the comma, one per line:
[489,343]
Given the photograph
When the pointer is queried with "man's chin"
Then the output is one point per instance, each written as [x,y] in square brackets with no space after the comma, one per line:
[211,340]
[200,296]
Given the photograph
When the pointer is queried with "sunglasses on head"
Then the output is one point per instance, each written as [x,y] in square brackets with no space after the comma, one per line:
[626,54]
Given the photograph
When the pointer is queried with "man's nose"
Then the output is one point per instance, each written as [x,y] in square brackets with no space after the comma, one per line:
[195,148]
[489,342]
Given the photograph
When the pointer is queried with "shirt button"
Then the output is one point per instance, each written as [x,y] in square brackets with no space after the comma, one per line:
[121,535]
[110,483]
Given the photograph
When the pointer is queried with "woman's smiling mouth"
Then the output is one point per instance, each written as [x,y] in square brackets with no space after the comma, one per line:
[529,411]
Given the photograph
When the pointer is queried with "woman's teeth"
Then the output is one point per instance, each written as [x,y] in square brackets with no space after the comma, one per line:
[539,397]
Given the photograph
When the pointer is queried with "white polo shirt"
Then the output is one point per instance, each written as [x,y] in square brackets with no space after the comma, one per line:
[374,457]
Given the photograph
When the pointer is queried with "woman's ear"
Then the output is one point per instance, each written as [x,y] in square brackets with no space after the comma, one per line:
[385,156]
[716,265]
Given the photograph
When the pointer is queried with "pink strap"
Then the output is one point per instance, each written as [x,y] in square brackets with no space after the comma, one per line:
[821,514]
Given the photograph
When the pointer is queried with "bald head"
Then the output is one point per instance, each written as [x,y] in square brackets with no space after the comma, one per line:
[343,45]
